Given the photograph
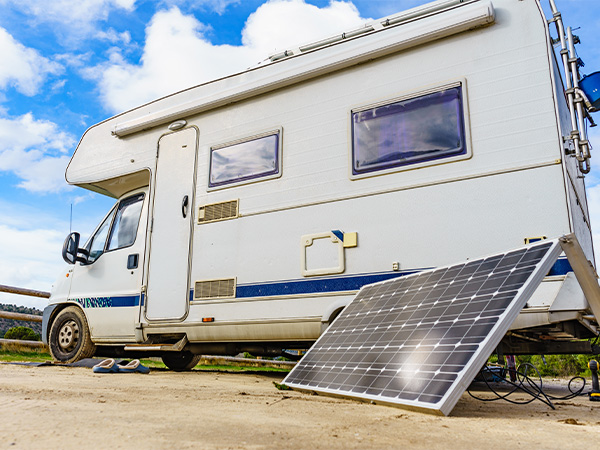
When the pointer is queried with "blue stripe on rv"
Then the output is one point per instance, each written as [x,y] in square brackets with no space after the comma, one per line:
[312,286]
[289,287]
[342,284]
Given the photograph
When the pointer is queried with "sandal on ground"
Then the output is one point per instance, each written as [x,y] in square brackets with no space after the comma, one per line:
[133,366]
[106,366]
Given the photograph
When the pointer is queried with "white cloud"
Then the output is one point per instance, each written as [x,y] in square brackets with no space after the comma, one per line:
[76,61]
[281,24]
[114,37]
[23,68]
[219,6]
[30,244]
[29,259]
[173,40]
[82,198]
[76,18]
[177,53]
[35,150]
[31,241]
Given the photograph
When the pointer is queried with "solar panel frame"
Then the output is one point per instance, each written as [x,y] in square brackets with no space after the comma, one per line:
[461,272]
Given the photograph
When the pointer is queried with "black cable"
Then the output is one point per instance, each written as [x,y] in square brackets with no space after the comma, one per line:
[524,383]
[534,390]
[573,393]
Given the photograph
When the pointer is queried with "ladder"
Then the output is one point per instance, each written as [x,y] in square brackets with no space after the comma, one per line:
[575,96]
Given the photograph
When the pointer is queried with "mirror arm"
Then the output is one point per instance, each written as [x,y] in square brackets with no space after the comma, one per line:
[82,260]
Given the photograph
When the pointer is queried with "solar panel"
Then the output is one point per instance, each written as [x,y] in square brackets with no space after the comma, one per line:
[419,340]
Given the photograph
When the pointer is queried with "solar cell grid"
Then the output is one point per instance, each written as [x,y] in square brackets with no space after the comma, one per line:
[409,340]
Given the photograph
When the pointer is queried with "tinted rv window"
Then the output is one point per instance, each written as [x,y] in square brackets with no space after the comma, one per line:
[126,222]
[247,160]
[410,131]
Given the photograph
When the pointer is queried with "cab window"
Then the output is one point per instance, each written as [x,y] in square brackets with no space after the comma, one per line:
[124,229]
[119,228]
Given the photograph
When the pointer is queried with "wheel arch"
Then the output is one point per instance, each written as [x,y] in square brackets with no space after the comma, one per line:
[332,312]
[50,313]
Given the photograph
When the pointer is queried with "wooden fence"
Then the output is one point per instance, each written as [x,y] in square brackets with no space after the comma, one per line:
[22,317]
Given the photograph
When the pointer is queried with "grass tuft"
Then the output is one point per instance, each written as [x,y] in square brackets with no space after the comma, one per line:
[23,354]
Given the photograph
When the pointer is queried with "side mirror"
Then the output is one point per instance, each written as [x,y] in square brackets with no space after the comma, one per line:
[71,248]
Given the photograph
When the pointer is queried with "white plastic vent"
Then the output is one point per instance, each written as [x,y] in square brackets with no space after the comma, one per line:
[218,211]
[209,289]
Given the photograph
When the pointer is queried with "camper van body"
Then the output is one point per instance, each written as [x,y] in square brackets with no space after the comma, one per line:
[260,204]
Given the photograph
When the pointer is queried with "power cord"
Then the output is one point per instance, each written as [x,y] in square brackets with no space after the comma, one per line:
[524,383]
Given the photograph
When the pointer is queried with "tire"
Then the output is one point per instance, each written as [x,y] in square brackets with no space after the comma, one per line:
[70,338]
[181,361]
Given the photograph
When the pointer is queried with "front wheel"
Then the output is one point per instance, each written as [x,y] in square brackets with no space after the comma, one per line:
[180,361]
[70,338]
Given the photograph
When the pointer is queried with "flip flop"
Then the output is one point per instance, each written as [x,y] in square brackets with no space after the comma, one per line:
[133,366]
[106,366]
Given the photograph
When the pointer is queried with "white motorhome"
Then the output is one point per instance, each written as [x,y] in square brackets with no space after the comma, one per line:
[252,208]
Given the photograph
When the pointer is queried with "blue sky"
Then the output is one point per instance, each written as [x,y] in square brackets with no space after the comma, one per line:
[68,64]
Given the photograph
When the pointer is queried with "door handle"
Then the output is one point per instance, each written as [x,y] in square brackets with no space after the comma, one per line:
[184,205]
[132,261]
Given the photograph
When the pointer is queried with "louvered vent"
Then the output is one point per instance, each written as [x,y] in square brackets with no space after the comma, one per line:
[214,289]
[218,211]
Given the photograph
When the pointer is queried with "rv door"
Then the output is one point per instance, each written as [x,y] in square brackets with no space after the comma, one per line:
[171,231]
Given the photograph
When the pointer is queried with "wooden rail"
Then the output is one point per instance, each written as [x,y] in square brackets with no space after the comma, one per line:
[21,316]
[21,291]
[34,344]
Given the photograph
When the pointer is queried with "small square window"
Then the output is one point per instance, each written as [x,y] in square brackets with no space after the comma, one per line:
[410,131]
[247,160]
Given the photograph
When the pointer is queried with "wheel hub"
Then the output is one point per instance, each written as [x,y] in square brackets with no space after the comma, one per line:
[68,335]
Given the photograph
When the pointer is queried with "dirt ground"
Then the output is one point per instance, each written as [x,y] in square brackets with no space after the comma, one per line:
[73,408]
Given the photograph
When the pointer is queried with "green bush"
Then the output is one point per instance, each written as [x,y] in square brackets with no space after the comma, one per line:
[22,334]
[554,365]
[559,365]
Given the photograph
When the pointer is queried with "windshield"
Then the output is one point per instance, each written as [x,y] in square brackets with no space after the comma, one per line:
[126,222]
[118,229]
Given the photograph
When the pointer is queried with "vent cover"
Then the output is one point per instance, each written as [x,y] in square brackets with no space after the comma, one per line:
[218,211]
[208,289]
